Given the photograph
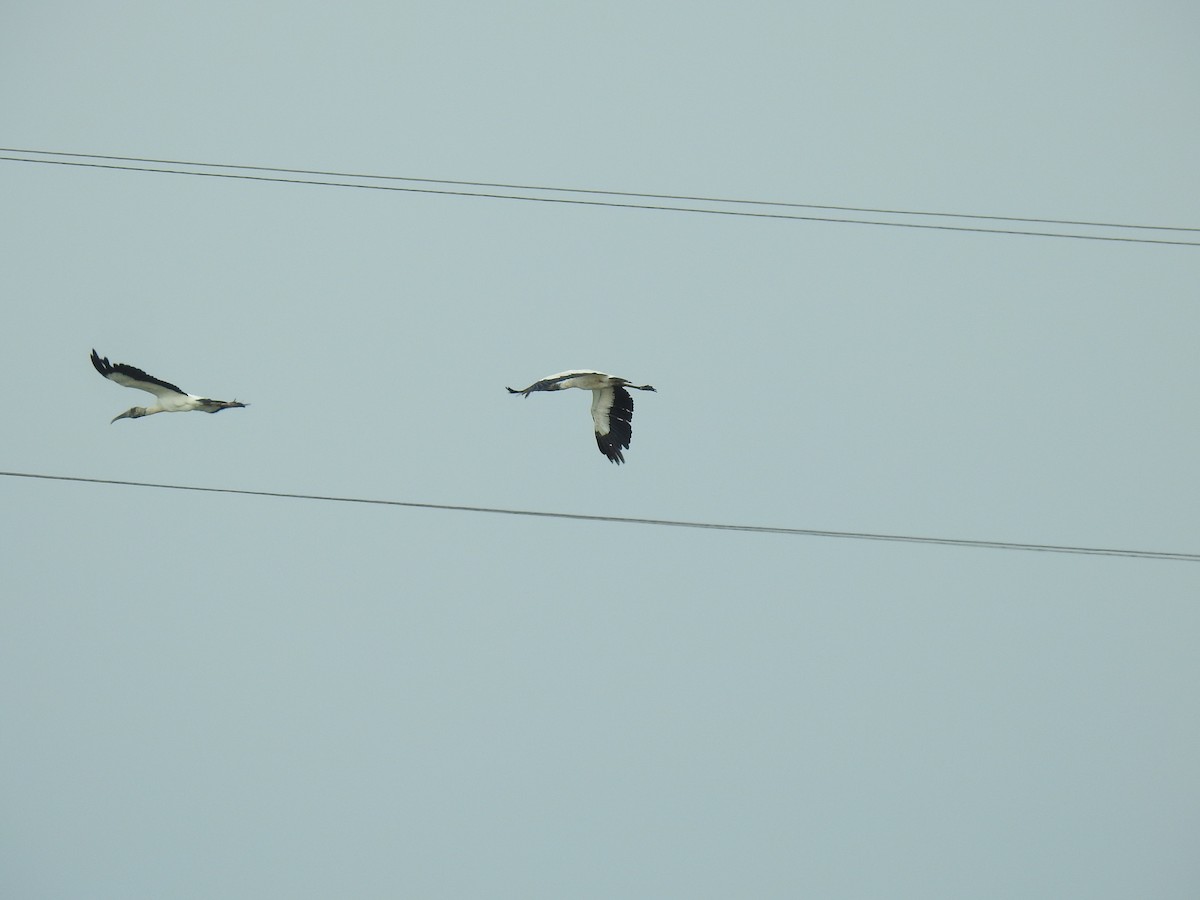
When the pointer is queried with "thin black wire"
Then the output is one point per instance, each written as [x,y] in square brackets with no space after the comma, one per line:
[611,204]
[626,520]
[536,187]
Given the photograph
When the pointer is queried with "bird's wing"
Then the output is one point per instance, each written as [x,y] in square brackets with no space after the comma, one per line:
[130,376]
[612,414]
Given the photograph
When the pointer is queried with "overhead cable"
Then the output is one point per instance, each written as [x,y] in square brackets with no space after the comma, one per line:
[627,520]
[619,205]
[597,191]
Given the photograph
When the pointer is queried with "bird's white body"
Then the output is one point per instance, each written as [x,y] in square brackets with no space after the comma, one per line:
[612,405]
[169,397]
[585,379]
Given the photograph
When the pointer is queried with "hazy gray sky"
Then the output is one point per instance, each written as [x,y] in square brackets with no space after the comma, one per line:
[211,695]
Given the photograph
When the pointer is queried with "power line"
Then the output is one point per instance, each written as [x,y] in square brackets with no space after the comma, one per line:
[595,191]
[614,204]
[626,520]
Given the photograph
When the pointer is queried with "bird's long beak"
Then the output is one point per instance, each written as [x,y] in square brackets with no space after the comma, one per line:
[124,415]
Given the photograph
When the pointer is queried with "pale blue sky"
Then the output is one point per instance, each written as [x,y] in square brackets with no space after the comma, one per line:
[210,695]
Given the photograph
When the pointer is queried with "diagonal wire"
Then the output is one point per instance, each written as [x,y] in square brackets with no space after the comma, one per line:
[594,191]
[611,204]
[627,520]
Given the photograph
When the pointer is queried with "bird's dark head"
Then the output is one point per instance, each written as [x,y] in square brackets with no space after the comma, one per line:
[135,413]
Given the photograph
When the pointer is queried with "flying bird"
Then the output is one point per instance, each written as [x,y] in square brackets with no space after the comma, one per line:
[612,405]
[170,398]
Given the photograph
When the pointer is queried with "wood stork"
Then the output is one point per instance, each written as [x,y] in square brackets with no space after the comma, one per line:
[170,398]
[612,405]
